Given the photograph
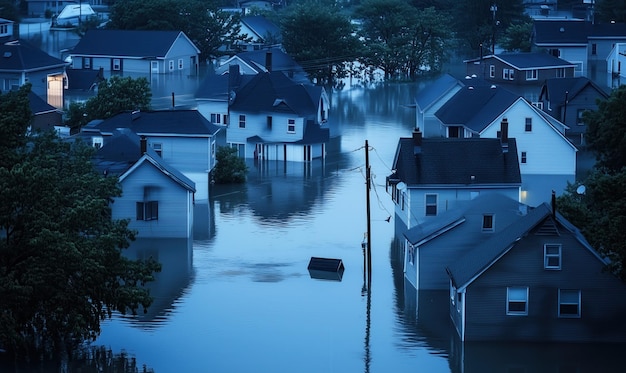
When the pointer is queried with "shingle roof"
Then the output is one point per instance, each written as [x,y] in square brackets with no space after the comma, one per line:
[446,161]
[538,60]
[262,27]
[476,106]
[555,89]
[168,122]
[217,87]
[551,32]
[608,30]
[83,79]
[38,105]
[126,43]
[23,56]
[435,90]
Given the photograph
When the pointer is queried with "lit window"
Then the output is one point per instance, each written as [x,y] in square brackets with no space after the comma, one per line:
[552,256]
[517,301]
[488,223]
[291,126]
[569,303]
[242,121]
[529,125]
[431,204]
[148,210]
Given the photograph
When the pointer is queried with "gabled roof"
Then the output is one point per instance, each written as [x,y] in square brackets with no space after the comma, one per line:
[436,90]
[122,154]
[219,87]
[83,79]
[21,56]
[262,27]
[257,61]
[530,61]
[446,162]
[476,106]
[185,123]
[39,106]
[475,262]
[608,31]
[554,89]
[128,43]
[561,32]
[273,92]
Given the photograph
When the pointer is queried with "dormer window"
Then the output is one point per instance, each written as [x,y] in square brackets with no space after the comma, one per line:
[488,223]
[96,141]
[552,256]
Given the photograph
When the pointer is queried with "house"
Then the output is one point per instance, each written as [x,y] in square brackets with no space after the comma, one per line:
[537,280]
[38,8]
[519,68]
[616,64]
[261,33]
[135,52]
[603,38]
[431,175]
[6,30]
[274,118]
[22,63]
[157,199]
[182,138]
[44,116]
[73,14]
[563,38]
[547,158]
[263,60]
[567,99]
[430,99]
[433,245]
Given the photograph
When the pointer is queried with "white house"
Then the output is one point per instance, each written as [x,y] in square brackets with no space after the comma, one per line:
[616,61]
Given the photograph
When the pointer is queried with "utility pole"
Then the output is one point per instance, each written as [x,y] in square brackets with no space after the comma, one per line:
[369,230]
[494,9]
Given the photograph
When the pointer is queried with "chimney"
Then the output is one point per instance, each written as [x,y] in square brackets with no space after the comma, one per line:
[268,61]
[143,145]
[417,141]
[504,135]
[233,77]
[553,202]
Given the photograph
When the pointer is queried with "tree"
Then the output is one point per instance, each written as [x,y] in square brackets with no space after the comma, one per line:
[9,10]
[607,11]
[517,37]
[320,39]
[606,130]
[61,265]
[208,27]
[114,95]
[15,118]
[229,168]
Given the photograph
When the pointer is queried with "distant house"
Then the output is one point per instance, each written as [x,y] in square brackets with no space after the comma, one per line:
[433,245]
[135,52]
[6,30]
[182,138]
[547,158]
[537,280]
[44,116]
[603,38]
[274,118]
[616,62]
[520,68]
[261,33]
[567,99]
[73,14]
[23,63]
[432,175]
[566,39]
[38,8]
[157,199]
[430,99]
[264,60]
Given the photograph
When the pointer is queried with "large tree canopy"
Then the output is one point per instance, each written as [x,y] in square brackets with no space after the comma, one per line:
[319,38]
[61,265]
[208,27]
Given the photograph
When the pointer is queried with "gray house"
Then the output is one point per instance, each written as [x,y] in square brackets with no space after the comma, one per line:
[537,280]
[430,99]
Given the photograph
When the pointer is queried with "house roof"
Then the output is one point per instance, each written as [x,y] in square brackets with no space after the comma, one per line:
[19,56]
[257,61]
[218,87]
[456,162]
[128,43]
[262,27]
[122,154]
[274,92]
[475,262]
[476,106]
[184,123]
[554,89]
[39,106]
[83,79]
[528,61]
[608,31]
[561,32]
[435,90]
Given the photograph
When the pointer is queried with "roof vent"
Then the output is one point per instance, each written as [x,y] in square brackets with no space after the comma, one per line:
[493,86]
[468,77]
[473,75]
[470,87]
[562,29]
[7,54]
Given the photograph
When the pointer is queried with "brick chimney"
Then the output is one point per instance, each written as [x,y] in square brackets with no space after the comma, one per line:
[143,145]
[268,61]
[417,141]
[504,135]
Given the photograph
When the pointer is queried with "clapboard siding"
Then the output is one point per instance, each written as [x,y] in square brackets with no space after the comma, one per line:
[185,153]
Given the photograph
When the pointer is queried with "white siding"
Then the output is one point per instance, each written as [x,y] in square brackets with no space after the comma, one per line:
[576,55]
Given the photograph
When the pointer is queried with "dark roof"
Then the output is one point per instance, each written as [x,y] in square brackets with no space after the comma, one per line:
[446,161]
[436,90]
[538,60]
[262,27]
[476,106]
[274,92]
[38,105]
[218,87]
[123,150]
[126,43]
[552,32]
[608,30]
[555,89]
[20,56]
[164,122]
[281,61]
[83,79]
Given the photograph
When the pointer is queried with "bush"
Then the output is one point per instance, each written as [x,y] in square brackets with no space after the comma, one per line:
[230,169]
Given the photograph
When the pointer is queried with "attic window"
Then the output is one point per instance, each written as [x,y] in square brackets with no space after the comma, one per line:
[488,220]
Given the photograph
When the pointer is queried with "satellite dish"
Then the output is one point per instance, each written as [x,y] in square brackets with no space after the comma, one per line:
[581,189]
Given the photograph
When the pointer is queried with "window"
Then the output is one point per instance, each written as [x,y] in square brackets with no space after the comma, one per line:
[216,118]
[431,204]
[538,105]
[517,300]
[410,254]
[242,121]
[552,256]
[117,64]
[579,117]
[148,210]
[269,123]
[555,52]
[560,72]
[225,119]
[86,63]
[523,158]
[291,126]
[171,65]
[97,141]
[180,64]
[455,131]
[528,125]
[488,223]
[531,74]
[594,49]
[158,148]
[508,74]
[569,303]
[492,71]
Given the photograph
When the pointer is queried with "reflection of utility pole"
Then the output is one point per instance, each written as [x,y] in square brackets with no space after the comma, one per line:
[494,9]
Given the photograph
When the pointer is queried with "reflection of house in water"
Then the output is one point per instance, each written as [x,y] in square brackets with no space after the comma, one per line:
[176,258]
